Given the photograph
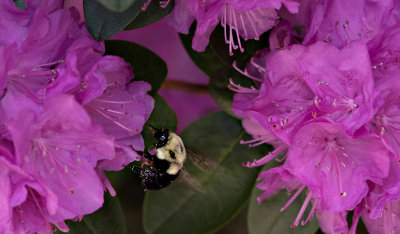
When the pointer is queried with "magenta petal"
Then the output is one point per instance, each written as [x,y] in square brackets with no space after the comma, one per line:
[291,5]
[48,37]
[200,40]
[364,23]
[5,194]
[79,60]
[332,223]
[386,120]
[334,166]
[387,191]
[285,101]
[140,88]
[13,18]
[122,112]
[32,215]
[342,81]
[124,153]
[384,52]
[181,18]
[7,57]
[389,222]
[273,180]
[251,23]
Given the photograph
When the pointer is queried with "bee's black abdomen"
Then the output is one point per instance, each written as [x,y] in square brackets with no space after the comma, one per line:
[154,179]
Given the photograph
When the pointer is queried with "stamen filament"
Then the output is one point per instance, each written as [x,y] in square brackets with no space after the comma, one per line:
[117,123]
[293,198]
[310,215]
[245,73]
[267,158]
[302,210]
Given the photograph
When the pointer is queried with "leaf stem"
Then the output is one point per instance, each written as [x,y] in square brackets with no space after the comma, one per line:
[185,86]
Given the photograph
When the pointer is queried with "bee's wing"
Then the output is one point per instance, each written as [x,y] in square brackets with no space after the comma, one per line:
[191,181]
[203,163]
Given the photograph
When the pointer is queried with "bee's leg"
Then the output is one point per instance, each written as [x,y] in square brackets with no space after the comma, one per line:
[149,157]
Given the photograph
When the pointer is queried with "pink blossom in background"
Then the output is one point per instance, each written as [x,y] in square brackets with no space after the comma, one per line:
[53,150]
[180,68]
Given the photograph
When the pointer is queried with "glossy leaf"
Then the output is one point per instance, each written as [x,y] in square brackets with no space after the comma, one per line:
[153,13]
[217,64]
[267,217]
[103,23]
[146,65]
[162,117]
[116,5]
[20,4]
[108,220]
[182,209]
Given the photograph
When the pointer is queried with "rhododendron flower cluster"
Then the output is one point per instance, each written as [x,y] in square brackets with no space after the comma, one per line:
[67,114]
[330,105]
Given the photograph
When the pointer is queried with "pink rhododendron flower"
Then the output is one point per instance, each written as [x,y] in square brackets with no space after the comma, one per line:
[61,154]
[339,23]
[246,19]
[334,166]
[284,99]
[342,81]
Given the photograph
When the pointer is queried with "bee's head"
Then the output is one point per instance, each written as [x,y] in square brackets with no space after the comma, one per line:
[161,136]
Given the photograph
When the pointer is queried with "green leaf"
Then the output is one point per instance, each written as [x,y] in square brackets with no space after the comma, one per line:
[20,4]
[267,217]
[108,220]
[103,23]
[162,117]
[147,66]
[217,64]
[153,13]
[181,209]
[116,5]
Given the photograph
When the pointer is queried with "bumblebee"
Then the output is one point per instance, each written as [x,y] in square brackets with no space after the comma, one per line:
[162,168]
